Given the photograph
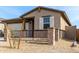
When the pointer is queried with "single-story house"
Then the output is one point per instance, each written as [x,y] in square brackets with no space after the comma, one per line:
[42,22]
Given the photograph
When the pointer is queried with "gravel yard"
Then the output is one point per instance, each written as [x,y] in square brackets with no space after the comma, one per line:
[60,47]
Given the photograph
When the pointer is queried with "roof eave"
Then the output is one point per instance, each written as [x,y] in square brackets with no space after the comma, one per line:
[63,12]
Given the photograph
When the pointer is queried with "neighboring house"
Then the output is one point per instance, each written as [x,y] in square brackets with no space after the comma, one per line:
[1,29]
[39,22]
[1,24]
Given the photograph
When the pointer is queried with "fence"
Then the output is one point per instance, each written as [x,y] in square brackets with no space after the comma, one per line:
[70,32]
[77,35]
[29,33]
[42,36]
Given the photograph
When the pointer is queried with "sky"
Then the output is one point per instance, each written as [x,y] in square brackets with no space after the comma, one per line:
[8,12]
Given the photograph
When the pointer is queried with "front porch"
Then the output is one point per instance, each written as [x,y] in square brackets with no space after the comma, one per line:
[27,30]
[39,36]
[30,34]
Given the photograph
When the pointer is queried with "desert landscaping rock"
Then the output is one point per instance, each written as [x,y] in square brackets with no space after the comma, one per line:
[60,47]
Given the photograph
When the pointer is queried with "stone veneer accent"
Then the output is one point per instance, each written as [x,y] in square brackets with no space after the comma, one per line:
[51,36]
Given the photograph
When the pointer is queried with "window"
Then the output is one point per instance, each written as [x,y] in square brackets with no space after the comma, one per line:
[46,22]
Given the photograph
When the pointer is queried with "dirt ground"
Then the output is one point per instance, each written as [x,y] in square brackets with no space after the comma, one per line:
[60,47]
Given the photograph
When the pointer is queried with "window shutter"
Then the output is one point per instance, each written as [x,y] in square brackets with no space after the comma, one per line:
[51,21]
[41,23]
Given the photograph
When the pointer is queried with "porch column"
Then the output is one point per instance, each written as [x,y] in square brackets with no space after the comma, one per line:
[51,36]
[61,34]
[23,24]
[58,35]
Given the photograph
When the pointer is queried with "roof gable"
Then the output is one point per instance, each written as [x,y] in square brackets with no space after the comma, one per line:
[50,9]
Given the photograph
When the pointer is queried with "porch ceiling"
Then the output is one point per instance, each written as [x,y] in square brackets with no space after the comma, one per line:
[27,19]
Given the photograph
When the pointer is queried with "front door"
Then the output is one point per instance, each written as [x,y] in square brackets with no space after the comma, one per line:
[29,27]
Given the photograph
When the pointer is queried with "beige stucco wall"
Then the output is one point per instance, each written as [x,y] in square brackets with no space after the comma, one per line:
[42,12]
[15,26]
[63,23]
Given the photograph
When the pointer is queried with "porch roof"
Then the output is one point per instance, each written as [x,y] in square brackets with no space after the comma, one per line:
[14,20]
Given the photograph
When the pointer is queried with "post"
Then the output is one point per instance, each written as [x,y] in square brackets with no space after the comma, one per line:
[23,24]
[51,36]
[58,35]
[61,33]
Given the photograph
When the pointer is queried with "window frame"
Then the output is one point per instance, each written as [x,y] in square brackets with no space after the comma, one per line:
[45,22]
